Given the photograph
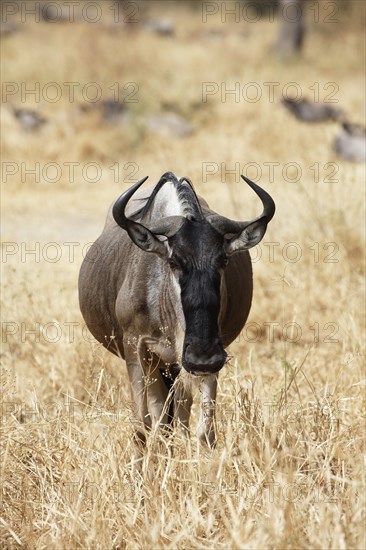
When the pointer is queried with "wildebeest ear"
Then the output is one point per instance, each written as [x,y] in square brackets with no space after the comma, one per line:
[249,237]
[145,240]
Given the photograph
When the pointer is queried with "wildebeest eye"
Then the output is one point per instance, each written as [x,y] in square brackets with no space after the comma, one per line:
[224,261]
[173,264]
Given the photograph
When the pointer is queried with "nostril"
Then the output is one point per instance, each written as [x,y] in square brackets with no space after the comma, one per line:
[192,354]
[204,358]
[217,360]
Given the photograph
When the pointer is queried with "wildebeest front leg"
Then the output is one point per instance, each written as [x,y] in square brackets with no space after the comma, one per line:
[182,404]
[206,427]
[157,391]
[141,421]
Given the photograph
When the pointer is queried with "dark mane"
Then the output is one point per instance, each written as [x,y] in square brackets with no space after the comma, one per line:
[191,208]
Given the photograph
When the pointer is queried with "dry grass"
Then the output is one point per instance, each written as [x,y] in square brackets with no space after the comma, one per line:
[288,468]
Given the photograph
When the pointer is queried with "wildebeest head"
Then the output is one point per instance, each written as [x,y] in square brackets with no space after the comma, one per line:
[196,248]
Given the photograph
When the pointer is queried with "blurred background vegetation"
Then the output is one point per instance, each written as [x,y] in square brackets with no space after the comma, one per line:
[184,89]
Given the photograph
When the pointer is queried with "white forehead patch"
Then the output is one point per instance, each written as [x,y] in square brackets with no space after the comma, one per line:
[168,196]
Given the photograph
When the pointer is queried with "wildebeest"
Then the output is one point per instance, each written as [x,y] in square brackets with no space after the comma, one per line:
[168,286]
[350,143]
[309,111]
[29,119]
[110,110]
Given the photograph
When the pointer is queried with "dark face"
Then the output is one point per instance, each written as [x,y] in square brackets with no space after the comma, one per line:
[197,261]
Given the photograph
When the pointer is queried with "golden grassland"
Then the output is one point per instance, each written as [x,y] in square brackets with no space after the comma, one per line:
[287,471]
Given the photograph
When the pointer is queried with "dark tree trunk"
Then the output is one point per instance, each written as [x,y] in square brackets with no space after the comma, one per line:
[291,26]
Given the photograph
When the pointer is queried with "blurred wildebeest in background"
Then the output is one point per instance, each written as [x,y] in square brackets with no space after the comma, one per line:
[351,142]
[309,111]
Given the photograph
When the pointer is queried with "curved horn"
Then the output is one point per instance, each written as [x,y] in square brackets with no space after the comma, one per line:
[225,226]
[269,207]
[167,226]
[119,206]
[138,233]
